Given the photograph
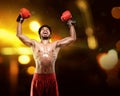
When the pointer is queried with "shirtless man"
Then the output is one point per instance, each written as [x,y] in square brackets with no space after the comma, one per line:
[45,53]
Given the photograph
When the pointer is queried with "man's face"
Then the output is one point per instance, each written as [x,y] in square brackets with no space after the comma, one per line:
[45,33]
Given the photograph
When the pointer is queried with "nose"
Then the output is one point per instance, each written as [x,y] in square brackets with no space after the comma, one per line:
[45,31]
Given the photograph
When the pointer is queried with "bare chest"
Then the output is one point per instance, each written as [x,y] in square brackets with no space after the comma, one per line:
[45,51]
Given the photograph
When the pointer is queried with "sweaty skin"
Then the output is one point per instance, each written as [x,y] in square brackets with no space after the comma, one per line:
[45,52]
[45,56]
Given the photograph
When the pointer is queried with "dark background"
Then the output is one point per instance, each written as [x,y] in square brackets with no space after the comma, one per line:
[77,70]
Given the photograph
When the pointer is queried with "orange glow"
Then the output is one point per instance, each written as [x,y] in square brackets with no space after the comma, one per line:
[13,68]
[115,12]
[99,56]
[31,70]
[55,37]
[1,59]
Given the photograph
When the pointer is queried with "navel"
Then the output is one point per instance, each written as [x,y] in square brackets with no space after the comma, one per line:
[38,50]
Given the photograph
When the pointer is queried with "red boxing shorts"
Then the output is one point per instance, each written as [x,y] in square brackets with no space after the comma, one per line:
[44,85]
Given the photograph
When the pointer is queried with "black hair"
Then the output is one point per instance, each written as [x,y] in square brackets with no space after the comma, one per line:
[45,26]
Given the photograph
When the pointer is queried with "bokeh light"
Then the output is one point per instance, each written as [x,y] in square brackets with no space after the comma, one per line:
[34,26]
[24,59]
[92,42]
[115,12]
[107,61]
[31,70]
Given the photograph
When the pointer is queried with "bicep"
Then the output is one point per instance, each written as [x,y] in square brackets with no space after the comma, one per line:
[27,41]
[64,42]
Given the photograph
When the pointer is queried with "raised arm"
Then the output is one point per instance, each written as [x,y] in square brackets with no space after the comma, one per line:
[68,40]
[22,37]
[67,17]
[24,13]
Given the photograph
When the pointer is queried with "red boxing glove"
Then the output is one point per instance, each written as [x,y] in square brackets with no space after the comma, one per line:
[66,15]
[24,13]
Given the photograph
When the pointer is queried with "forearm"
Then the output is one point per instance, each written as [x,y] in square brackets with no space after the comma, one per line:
[19,29]
[67,17]
[19,32]
[24,13]
[22,37]
[72,32]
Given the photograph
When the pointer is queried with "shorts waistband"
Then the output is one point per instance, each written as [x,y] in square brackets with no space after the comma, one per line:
[44,76]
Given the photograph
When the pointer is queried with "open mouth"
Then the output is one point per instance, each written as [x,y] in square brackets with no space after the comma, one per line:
[45,32]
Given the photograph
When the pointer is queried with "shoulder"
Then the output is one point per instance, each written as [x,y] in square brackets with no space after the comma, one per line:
[56,43]
[34,42]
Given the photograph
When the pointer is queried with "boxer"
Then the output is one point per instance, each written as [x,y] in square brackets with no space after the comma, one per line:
[44,82]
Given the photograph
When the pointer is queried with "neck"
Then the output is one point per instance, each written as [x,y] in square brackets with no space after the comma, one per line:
[45,41]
